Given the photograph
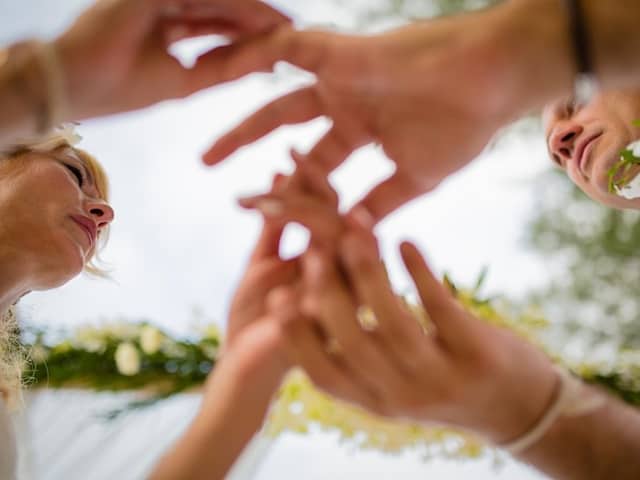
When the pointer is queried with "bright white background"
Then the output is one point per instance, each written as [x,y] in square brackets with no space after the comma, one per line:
[179,243]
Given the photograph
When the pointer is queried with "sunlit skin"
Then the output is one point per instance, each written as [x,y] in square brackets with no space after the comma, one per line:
[586,141]
[53,214]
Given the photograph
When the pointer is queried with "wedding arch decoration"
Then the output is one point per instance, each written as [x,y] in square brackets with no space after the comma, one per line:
[137,356]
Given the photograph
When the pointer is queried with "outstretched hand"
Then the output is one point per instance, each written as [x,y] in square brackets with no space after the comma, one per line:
[115,56]
[408,90]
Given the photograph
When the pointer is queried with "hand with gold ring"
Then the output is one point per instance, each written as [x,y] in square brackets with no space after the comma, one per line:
[457,373]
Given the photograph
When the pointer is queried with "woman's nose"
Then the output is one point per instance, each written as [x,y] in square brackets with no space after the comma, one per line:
[101,212]
[562,141]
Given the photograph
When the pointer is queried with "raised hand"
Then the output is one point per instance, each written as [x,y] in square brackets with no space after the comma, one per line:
[431,94]
[115,55]
[265,272]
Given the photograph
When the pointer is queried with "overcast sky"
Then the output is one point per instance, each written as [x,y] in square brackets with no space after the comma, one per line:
[179,243]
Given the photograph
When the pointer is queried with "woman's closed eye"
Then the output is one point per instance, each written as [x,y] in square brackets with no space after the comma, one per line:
[76,173]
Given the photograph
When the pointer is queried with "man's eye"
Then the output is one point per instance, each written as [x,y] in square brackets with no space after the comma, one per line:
[76,172]
[570,107]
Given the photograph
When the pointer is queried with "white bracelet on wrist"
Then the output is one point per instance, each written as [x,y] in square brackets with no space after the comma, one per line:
[572,399]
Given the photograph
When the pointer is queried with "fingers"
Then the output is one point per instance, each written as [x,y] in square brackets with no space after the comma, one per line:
[395,325]
[253,15]
[249,301]
[328,301]
[296,107]
[333,149]
[248,15]
[227,63]
[306,349]
[441,307]
[323,222]
[314,179]
[307,50]
[283,302]
[390,195]
[268,244]
[271,273]
[174,31]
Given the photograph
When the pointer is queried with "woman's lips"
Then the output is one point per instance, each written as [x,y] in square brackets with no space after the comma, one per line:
[87,226]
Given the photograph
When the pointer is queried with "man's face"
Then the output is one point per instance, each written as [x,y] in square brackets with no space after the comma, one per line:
[586,141]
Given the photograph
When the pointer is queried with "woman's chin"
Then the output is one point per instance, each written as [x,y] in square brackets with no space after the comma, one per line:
[62,268]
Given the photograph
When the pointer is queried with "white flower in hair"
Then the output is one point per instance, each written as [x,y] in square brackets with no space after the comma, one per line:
[631,190]
[63,134]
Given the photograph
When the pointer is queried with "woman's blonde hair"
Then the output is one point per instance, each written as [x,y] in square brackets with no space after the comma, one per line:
[12,355]
[12,360]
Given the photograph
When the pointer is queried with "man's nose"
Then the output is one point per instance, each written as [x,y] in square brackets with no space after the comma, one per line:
[562,140]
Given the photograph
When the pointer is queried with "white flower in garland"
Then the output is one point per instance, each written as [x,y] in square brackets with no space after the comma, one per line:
[150,339]
[122,330]
[127,359]
[91,339]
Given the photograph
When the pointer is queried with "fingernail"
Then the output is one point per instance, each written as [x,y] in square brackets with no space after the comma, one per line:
[270,207]
[247,202]
[362,217]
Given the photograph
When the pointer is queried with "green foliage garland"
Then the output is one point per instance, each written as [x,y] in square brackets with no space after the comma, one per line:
[138,356]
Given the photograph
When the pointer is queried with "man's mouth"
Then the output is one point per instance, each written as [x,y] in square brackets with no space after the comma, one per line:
[582,154]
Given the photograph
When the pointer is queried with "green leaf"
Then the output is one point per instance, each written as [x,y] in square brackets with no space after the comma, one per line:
[481,279]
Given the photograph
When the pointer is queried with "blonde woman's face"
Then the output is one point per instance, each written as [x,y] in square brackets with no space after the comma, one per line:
[586,140]
[56,211]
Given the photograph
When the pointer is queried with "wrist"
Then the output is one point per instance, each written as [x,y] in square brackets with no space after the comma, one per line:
[31,87]
[534,55]
[245,378]
[529,396]
[75,83]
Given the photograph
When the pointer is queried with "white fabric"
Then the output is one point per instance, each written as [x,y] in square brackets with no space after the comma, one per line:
[62,437]
[8,454]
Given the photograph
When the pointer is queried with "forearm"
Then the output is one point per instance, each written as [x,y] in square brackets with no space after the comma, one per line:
[18,84]
[535,55]
[604,444]
[229,418]
[615,41]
